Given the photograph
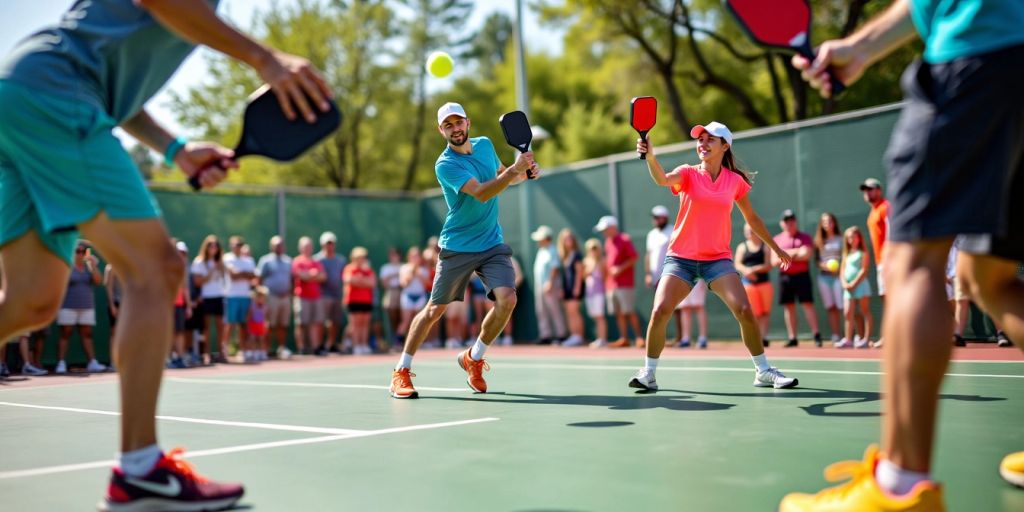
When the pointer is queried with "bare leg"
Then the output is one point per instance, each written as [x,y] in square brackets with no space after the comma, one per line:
[151,271]
[421,325]
[869,320]
[687,319]
[601,326]
[789,313]
[498,317]
[730,289]
[62,342]
[994,284]
[917,351]
[85,332]
[702,321]
[812,316]
[671,291]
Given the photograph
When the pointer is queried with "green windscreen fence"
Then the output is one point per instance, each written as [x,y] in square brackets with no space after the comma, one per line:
[811,167]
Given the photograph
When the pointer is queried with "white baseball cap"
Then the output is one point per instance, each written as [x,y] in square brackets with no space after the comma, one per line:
[328,237]
[181,246]
[450,109]
[659,211]
[542,233]
[714,128]
[606,222]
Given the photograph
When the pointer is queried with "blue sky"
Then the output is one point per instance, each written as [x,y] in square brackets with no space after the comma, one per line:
[22,17]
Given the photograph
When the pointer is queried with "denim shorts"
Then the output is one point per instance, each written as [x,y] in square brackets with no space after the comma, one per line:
[691,270]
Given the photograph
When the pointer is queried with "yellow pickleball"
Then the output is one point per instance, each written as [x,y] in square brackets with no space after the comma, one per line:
[440,64]
[832,265]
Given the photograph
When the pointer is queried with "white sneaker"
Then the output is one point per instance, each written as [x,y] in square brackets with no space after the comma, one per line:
[452,343]
[94,366]
[859,342]
[573,341]
[843,343]
[598,343]
[506,341]
[284,353]
[773,378]
[644,379]
[62,368]
[30,369]
[877,344]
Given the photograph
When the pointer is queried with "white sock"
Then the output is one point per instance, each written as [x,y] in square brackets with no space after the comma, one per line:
[761,362]
[139,463]
[479,349]
[405,361]
[651,364]
[895,479]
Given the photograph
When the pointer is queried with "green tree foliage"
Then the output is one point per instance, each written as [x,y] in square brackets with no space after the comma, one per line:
[690,54]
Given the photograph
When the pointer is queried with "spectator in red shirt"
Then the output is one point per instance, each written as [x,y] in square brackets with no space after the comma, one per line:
[620,259]
[795,281]
[309,311]
[360,281]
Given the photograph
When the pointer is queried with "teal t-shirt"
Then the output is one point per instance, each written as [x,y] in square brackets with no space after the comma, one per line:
[963,28]
[470,226]
[109,53]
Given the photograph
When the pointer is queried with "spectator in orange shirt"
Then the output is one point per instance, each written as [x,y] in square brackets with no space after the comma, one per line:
[360,281]
[878,231]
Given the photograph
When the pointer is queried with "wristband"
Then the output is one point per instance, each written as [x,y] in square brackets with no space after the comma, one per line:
[172,150]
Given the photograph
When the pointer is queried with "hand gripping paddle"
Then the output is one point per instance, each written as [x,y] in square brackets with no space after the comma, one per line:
[517,132]
[267,132]
[643,113]
[783,24]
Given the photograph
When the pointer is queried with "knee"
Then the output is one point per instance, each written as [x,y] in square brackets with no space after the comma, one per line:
[663,312]
[505,299]
[745,314]
[434,312]
[33,309]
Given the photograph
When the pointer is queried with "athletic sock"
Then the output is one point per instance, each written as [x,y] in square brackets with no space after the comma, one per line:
[896,480]
[651,364]
[479,349]
[761,362]
[138,463]
[405,361]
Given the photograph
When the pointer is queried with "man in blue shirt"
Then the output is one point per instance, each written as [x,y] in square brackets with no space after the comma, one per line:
[471,177]
[956,162]
[62,91]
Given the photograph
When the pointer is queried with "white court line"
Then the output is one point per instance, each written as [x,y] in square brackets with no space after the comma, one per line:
[544,366]
[245,448]
[244,424]
[299,384]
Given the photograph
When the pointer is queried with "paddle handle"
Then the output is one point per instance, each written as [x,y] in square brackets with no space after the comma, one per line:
[643,137]
[193,181]
[529,174]
[837,86]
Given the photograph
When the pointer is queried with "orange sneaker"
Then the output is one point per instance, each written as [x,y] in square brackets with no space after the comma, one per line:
[475,369]
[862,492]
[641,343]
[401,384]
[620,343]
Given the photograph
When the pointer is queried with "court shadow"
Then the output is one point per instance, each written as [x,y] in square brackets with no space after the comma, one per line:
[612,402]
[600,424]
[832,398]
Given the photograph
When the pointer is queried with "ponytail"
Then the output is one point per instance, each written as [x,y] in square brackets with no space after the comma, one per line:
[729,161]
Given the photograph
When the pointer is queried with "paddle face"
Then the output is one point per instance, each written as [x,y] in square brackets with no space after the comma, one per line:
[779,23]
[783,24]
[267,132]
[643,113]
[517,132]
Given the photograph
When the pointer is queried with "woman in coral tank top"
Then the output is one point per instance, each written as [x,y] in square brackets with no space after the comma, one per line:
[700,247]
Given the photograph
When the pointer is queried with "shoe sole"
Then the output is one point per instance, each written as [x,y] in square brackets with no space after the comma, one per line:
[470,384]
[415,394]
[160,504]
[1012,478]
[635,383]
[759,384]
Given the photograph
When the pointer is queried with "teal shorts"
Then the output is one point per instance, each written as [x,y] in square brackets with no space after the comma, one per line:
[60,165]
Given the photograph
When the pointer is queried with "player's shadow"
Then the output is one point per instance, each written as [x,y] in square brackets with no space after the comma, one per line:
[613,402]
[830,397]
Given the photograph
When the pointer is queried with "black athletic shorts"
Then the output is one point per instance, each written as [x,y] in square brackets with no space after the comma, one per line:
[957,153]
[795,288]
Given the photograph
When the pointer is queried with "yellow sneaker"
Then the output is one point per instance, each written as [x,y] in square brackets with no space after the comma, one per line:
[862,493]
[1012,469]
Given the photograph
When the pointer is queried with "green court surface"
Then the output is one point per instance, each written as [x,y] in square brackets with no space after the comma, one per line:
[555,433]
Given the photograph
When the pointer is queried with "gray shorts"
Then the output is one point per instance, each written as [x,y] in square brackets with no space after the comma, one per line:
[333,310]
[621,301]
[309,311]
[279,309]
[455,269]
